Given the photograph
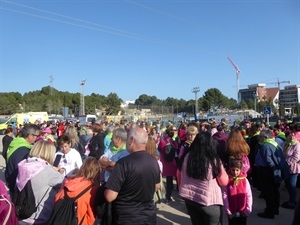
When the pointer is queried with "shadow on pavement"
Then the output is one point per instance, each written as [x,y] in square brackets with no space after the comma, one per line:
[173,213]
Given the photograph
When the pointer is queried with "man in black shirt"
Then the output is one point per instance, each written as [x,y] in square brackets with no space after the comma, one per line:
[132,184]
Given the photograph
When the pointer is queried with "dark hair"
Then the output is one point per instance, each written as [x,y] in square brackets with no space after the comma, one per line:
[277,127]
[61,140]
[170,132]
[235,162]
[297,127]
[203,154]
[254,129]
[8,130]
[220,127]
[288,132]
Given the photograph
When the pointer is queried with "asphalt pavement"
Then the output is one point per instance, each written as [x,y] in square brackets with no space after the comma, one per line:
[176,214]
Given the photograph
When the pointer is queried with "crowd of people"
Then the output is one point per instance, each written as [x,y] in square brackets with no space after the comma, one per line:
[214,168]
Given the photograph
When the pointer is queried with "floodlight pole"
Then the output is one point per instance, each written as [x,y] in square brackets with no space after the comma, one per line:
[195,90]
[82,110]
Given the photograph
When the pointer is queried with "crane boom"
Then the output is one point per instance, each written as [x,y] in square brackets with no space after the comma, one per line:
[232,63]
[237,71]
[279,82]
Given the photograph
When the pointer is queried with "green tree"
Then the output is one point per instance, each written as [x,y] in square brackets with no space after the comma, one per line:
[213,99]
[250,104]
[9,104]
[297,109]
[232,103]
[113,104]
[243,105]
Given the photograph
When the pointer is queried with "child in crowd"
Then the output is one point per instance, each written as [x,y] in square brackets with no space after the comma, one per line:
[86,176]
[237,194]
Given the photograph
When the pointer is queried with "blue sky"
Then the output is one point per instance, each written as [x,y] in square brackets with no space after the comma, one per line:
[156,47]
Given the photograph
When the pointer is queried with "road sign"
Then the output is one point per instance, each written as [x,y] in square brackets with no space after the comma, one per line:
[267,110]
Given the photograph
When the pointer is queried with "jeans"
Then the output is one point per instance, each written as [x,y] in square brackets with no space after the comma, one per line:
[292,188]
[201,214]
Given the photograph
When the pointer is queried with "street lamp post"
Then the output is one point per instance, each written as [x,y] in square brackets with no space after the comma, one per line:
[277,106]
[82,110]
[255,98]
[195,90]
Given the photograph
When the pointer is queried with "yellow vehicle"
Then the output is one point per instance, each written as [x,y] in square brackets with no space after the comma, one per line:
[22,118]
[115,119]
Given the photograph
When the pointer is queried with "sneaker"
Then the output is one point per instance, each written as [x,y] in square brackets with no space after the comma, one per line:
[287,205]
[266,215]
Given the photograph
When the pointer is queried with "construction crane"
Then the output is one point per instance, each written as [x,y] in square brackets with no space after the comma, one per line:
[237,71]
[279,82]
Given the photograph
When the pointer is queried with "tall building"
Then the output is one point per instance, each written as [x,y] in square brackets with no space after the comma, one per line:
[260,92]
[289,97]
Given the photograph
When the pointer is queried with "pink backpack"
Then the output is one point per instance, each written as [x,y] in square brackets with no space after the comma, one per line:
[7,208]
[246,165]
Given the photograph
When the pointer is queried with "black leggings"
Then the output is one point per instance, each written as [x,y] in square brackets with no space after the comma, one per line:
[169,187]
[206,215]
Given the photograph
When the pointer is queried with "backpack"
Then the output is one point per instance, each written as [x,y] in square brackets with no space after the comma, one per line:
[103,208]
[65,211]
[170,150]
[24,201]
[186,146]
[7,211]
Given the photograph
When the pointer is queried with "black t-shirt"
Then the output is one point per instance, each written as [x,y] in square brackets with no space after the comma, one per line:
[134,178]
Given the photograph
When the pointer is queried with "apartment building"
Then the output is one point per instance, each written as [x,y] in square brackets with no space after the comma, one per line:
[260,92]
[289,97]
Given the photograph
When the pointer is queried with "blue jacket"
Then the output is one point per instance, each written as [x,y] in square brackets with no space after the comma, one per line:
[270,155]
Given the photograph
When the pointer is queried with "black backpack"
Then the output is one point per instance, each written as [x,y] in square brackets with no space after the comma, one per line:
[170,150]
[103,208]
[24,201]
[65,211]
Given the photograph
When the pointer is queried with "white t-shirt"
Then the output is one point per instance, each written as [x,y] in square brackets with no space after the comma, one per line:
[70,161]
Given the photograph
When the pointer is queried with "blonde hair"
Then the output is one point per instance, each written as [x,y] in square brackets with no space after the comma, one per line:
[191,129]
[90,170]
[44,150]
[73,135]
[151,146]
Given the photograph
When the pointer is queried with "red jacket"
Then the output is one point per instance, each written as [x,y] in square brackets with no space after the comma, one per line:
[85,202]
